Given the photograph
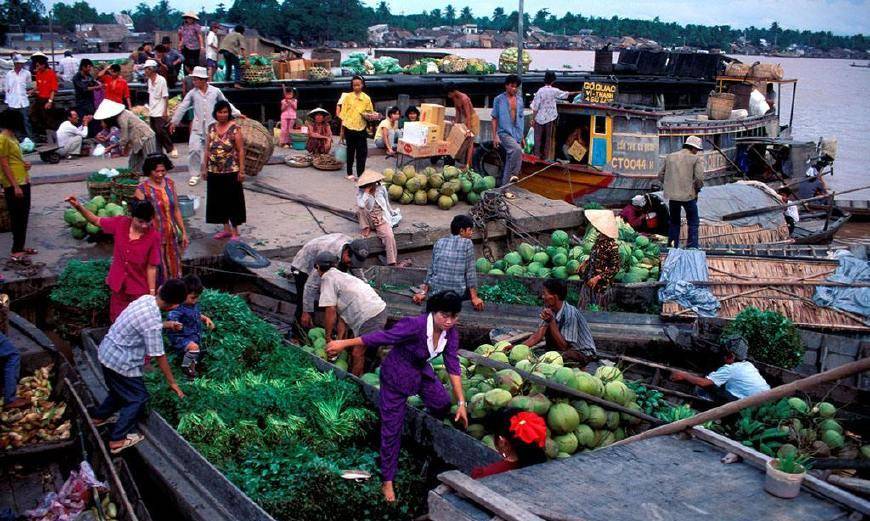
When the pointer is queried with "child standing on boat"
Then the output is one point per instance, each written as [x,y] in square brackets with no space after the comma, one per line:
[288,115]
[185,327]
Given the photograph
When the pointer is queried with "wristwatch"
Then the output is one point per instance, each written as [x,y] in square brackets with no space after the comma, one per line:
[462,403]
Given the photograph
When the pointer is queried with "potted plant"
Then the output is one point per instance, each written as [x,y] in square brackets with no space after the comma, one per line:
[786,474]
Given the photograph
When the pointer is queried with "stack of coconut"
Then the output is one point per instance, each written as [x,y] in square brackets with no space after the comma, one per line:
[430,186]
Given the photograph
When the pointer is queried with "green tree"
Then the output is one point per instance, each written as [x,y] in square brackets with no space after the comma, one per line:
[159,17]
[67,16]
[220,12]
[383,12]
[466,16]
[540,18]
[18,12]
[450,15]
[436,17]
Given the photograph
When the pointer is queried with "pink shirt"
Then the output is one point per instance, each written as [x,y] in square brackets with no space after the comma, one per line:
[288,109]
[130,259]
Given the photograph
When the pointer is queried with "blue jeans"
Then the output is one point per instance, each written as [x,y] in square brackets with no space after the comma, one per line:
[25,121]
[513,162]
[11,368]
[233,66]
[691,217]
[128,395]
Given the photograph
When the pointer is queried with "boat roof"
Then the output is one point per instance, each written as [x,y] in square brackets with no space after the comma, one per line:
[698,117]
[779,140]
[741,79]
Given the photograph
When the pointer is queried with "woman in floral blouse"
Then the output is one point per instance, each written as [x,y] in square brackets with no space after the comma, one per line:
[604,261]
[223,168]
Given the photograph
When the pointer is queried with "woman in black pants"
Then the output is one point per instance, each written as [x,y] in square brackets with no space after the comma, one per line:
[15,178]
[350,109]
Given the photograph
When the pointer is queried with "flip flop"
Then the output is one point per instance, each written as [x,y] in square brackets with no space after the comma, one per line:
[106,421]
[193,181]
[30,251]
[223,234]
[20,259]
[131,440]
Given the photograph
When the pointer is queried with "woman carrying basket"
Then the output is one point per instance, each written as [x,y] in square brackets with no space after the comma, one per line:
[159,190]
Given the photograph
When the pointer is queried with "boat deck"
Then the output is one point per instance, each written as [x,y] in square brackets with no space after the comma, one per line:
[673,479]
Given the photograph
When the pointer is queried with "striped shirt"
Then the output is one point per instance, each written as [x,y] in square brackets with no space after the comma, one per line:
[452,267]
[137,332]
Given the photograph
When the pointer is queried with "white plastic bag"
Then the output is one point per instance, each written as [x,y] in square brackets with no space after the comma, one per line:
[757,104]
[99,150]
[27,146]
[395,217]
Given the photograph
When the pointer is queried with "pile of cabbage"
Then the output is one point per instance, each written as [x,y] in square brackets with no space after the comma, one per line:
[451,65]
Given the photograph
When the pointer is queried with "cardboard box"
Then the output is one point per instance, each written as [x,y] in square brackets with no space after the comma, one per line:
[416,133]
[418,151]
[456,138]
[434,114]
[435,133]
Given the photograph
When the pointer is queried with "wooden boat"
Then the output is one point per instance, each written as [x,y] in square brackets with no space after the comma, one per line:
[859,209]
[819,228]
[32,470]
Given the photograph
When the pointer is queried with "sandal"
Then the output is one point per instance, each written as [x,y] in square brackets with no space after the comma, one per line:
[97,422]
[20,259]
[193,181]
[223,234]
[131,440]
[31,251]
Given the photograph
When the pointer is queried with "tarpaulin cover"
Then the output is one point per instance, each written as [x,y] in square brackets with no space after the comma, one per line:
[680,267]
[716,201]
[854,300]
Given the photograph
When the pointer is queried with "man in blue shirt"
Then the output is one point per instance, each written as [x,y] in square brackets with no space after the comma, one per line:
[736,379]
[507,127]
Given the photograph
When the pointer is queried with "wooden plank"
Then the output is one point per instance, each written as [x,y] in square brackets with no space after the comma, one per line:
[759,460]
[861,486]
[482,495]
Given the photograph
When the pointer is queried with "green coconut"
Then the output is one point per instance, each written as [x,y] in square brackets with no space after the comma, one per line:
[582,409]
[432,195]
[612,420]
[608,373]
[798,405]
[617,392]
[498,356]
[565,376]
[445,202]
[567,442]
[597,417]
[421,198]
[497,398]
[833,439]
[552,358]
[826,410]
[520,352]
[407,197]
[509,380]
[830,425]
[585,436]
[562,418]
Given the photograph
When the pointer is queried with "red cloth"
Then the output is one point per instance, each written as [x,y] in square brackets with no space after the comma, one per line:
[117,88]
[529,428]
[130,259]
[494,468]
[118,302]
[633,216]
[46,83]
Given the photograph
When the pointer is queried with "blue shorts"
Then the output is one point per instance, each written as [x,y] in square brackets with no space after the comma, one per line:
[211,63]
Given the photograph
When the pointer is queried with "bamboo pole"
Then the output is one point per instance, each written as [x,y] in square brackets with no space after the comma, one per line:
[776,393]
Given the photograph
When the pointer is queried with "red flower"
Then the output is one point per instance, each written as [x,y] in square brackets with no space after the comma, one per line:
[530,428]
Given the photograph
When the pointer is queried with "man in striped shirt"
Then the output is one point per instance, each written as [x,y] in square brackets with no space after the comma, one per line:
[452,267]
[137,333]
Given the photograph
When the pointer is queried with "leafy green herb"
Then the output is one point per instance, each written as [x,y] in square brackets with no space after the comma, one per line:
[82,285]
[772,338]
[794,463]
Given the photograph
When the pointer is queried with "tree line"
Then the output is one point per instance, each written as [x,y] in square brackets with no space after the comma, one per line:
[315,21]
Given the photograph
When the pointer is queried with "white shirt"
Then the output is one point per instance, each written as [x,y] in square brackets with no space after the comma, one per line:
[158,94]
[741,379]
[356,302]
[211,46]
[544,104]
[68,68]
[442,340]
[67,131]
[792,211]
[16,88]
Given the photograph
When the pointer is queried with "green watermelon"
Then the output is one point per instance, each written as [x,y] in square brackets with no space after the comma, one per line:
[483,265]
[526,251]
[560,259]
[559,238]
[513,258]
[541,258]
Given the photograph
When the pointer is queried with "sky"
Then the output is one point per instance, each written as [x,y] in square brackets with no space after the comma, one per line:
[837,16]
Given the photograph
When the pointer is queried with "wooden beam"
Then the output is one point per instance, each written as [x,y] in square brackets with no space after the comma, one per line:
[843,371]
[861,486]
[486,497]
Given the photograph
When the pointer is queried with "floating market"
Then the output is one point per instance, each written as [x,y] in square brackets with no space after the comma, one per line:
[463,326]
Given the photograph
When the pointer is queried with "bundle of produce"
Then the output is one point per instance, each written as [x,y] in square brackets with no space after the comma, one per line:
[453,64]
[358,63]
[480,67]
[257,69]
[80,227]
[793,425]
[173,102]
[423,66]
[319,73]
[278,428]
[429,186]
[41,422]
[507,60]
[142,112]
[99,183]
[772,337]
[640,258]
[387,65]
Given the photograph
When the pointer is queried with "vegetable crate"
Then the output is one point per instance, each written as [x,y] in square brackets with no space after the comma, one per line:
[257,73]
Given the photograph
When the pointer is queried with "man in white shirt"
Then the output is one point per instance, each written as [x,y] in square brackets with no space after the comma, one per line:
[68,67]
[348,302]
[16,86]
[211,49]
[158,107]
[70,134]
[735,380]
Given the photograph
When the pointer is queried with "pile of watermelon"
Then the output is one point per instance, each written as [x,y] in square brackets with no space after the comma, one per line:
[639,254]
[80,227]
[430,186]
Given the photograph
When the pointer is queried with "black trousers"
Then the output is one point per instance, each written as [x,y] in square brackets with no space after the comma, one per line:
[300,279]
[19,212]
[191,58]
[357,142]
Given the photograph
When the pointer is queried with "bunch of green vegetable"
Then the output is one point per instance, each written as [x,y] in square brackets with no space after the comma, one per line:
[653,402]
[277,427]
[772,338]
[509,291]
[81,285]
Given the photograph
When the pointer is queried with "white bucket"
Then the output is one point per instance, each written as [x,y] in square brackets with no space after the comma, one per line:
[781,484]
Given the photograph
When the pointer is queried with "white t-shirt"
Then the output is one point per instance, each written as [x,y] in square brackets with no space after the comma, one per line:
[68,67]
[741,379]
[67,131]
[158,93]
[211,46]
[355,300]
[792,211]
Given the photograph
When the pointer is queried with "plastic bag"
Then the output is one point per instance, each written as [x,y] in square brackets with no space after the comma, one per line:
[99,150]
[530,140]
[73,498]
[27,146]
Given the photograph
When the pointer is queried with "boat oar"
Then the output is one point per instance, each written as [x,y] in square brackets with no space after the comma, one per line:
[779,208]
[730,161]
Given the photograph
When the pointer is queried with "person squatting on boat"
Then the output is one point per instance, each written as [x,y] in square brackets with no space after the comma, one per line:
[682,175]
[646,214]
[738,378]
[563,327]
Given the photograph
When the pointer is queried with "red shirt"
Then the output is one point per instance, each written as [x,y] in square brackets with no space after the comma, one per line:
[116,88]
[494,468]
[633,216]
[46,83]
[130,259]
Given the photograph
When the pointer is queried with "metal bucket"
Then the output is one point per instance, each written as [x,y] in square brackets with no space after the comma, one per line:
[185,204]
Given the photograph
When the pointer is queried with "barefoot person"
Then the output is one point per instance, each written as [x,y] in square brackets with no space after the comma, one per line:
[137,333]
[406,372]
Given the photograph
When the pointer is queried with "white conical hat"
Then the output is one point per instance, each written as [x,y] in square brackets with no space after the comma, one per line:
[604,221]
[108,109]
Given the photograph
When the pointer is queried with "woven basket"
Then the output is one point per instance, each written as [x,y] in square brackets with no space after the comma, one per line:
[5,223]
[257,73]
[326,162]
[298,160]
[99,188]
[720,105]
[259,145]
[123,191]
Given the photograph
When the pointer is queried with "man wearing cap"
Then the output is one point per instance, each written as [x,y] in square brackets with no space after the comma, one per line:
[71,133]
[646,214]
[348,302]
[202,99]
[452,267]
[137,138]
[351,254]
[16,85]
[683,177]
[68,67]
[735,380]
[46,88]
[190,40]
[158,107]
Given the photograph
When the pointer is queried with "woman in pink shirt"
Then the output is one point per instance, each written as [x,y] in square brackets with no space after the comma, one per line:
[136,255]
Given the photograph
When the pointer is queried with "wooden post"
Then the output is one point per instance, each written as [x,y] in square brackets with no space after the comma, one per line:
[776,393]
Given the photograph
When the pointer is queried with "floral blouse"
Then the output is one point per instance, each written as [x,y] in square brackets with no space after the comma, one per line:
[604,260]
[222,156]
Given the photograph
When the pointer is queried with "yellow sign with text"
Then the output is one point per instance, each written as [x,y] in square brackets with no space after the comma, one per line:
[595,92]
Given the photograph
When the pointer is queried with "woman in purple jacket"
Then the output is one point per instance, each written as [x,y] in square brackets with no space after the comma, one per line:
[406,371]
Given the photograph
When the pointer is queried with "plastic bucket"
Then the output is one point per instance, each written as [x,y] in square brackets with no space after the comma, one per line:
[299,145]
[781,484]
[185,204]
[341,153]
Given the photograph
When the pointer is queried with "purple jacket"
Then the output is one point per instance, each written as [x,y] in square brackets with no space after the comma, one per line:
[408,338]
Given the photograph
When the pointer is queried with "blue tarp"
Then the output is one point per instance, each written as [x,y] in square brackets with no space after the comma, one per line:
[854,300]
[680,267]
